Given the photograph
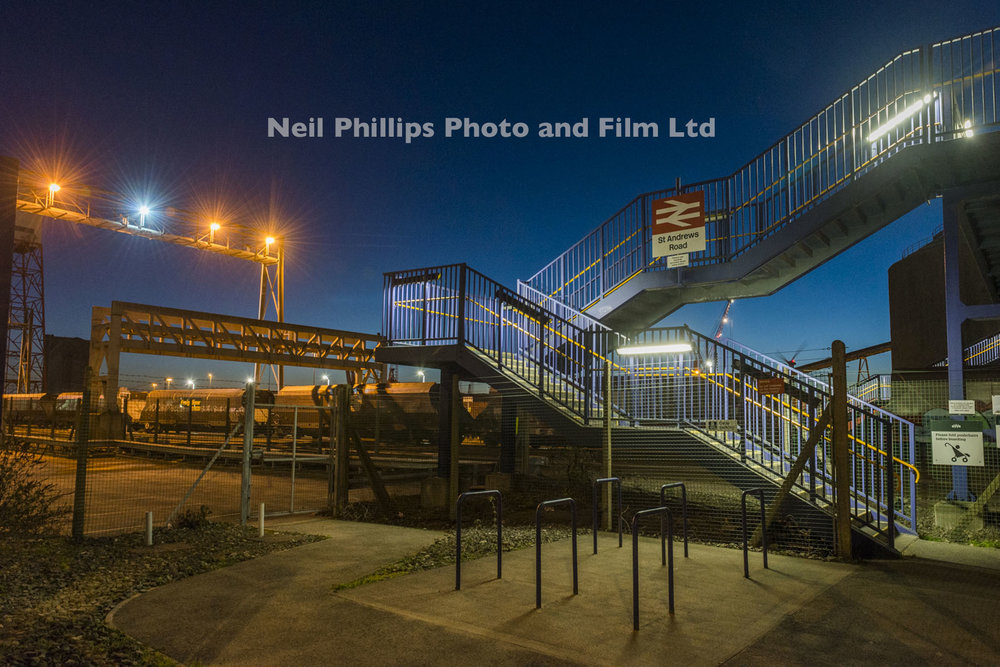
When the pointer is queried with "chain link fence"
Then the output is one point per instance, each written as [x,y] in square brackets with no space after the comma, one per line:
[955,494]
[172,453]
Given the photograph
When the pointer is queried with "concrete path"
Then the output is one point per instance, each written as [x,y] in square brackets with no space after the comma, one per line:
[281,609]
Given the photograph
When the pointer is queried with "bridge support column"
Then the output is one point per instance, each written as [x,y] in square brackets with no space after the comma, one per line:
[841,452]
[956,313]
[449,435]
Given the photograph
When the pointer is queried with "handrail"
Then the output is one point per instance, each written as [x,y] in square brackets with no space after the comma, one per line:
[538,546]
[763,529]
[664,553]
[615,482]
[921,96]
[553,304]
[458,532]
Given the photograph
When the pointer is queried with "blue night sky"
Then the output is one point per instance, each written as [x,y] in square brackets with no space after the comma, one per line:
[172,100]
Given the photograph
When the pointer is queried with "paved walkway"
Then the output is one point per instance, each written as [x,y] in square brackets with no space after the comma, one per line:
[282,610]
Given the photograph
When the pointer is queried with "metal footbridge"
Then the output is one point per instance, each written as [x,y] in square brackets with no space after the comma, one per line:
[704,394]
[923,125]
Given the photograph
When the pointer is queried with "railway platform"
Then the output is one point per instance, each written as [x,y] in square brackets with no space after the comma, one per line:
[282,609]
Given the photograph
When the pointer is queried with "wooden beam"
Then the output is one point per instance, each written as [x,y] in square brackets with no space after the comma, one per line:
[869,351]
[815,437]
[841,453]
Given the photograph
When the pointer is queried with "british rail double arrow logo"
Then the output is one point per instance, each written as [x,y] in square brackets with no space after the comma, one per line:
[678,224]
[679,213]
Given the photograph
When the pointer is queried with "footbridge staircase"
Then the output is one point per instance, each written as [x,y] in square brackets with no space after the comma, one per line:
[923,125]
[703,393]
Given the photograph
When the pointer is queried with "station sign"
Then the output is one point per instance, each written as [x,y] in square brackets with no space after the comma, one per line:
[678,261]
[771,385]
[679,224]
[955,443]
[728,425]
[961,407]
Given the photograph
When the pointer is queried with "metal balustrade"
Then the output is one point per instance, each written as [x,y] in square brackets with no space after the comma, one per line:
[712,391]
[559,359]
[944,92]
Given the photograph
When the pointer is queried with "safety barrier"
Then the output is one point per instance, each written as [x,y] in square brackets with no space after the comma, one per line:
[684,507]
[763,529]
[665,552]
[538,546]
[458,532]
[616,483]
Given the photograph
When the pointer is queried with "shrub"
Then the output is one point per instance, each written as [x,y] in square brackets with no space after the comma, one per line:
[191,518]
[27,504]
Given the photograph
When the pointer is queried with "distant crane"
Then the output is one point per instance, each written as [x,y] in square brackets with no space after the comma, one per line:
[724,320]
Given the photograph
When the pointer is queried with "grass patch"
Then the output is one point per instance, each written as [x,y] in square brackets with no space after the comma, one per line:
[478,540]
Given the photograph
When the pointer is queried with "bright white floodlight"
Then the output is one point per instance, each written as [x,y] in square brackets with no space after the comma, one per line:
[665,348]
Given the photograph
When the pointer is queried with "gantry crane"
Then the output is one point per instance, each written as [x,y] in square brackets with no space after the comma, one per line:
[39,198]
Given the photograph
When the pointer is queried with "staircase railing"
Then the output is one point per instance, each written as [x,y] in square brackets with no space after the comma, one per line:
[713,389]
[943,92]
[562,359]
[721,391]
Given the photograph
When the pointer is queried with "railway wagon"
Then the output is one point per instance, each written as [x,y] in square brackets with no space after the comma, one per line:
[307,420]
[42,409]
[29,408]
[199,409]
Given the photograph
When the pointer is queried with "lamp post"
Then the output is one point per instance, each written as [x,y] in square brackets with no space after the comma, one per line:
[168,381]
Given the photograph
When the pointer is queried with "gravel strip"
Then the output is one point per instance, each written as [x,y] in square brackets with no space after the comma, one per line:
[55,593]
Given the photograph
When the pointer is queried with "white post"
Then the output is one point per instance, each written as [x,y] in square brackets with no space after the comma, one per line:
[260,527]
[149,529]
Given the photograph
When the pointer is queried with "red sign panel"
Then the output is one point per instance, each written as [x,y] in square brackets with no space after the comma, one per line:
[679,213]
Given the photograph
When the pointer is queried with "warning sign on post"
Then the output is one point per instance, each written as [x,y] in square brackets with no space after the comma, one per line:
[956,443]
[771,385]
[679,224]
